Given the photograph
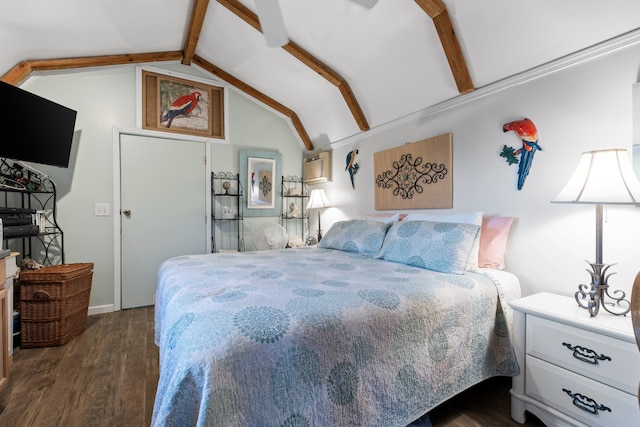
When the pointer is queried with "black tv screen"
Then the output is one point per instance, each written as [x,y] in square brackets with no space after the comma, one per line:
[34,128]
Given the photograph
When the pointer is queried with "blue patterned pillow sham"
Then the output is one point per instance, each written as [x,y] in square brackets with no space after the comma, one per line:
[358,236]
[438,246]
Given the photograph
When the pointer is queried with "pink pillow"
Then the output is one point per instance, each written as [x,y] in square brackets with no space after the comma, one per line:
[493,241]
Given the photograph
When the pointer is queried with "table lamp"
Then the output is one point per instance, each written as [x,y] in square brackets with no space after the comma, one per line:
[318,200]
[601,177]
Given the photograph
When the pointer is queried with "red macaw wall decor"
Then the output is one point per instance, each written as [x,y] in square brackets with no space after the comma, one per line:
[181,107]
[528,134]
[172,104]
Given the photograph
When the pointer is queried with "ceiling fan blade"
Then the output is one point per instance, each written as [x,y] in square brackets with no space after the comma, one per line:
[366,3]
[272,23]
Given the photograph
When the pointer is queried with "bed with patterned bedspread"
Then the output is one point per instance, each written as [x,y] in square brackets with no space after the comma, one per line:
[321,337]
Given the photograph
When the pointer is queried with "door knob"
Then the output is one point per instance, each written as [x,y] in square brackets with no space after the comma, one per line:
[126,213]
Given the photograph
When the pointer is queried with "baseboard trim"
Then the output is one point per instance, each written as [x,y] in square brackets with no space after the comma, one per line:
[101,309]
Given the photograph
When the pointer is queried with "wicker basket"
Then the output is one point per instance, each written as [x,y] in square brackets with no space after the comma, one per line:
[53,303]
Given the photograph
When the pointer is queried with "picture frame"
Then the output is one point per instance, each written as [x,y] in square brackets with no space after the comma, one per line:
[178,105]
[261,179]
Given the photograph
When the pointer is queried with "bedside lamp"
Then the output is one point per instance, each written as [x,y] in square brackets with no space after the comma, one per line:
[601,177]
[318,200]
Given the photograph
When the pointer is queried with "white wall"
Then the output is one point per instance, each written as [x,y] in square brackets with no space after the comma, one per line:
[584,107]
[104,98]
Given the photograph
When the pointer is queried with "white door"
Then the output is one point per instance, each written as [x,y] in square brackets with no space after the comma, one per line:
[163,209]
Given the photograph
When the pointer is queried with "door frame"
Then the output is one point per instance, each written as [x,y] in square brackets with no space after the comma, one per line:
[117,219]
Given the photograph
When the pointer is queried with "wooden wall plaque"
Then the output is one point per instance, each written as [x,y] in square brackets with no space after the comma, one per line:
[417,175]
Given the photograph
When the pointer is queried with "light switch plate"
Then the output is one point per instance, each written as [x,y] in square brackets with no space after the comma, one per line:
[102,209]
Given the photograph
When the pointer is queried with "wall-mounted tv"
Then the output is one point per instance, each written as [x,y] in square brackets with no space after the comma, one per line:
[34,128]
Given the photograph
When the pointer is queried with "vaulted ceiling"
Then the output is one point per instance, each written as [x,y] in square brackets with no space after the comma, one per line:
[347,68]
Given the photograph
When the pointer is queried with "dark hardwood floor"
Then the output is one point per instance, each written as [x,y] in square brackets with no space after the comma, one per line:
[107,377]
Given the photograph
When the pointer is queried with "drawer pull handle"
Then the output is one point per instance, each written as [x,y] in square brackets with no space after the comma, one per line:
[586,403]
[586,354]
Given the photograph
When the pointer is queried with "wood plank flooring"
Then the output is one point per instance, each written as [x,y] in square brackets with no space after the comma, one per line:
[107,377]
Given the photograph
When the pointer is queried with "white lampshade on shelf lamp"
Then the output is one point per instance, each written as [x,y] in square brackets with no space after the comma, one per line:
[318,200]
[601,177]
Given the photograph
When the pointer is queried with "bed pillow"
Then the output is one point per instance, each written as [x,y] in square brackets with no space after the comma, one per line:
[465,218]
[381,217]
[439,246]
[493,241]
[356,235]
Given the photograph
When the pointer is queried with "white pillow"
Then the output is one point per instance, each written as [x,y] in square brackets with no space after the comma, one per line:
[464,218]
[381,217]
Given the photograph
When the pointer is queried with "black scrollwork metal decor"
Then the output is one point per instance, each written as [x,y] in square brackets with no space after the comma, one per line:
[265,186]
[592,296]
[585,403]
[14,176]
[408,175]
[586,354]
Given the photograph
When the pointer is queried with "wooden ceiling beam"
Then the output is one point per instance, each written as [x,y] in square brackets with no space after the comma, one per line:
[243,12]
[433,8]
[17,74]
[255,93]
[25,68]
[103,60]
[314,63]
[21,71]
[195,27]
[307,59]
[437,11]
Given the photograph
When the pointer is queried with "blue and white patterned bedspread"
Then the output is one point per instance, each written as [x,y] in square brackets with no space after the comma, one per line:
[319,337]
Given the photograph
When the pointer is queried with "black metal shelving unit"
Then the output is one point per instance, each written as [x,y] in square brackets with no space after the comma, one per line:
[31,193]
[295,220]
[227,214]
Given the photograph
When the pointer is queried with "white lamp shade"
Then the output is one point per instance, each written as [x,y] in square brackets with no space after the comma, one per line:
[272,23]
[602,177]
[367,3]
[318,199]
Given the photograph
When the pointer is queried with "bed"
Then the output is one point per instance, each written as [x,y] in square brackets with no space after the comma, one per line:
[354,332]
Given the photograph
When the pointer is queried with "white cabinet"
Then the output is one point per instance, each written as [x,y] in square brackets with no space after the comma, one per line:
[10,270]
[575,369]
[317,169]
[4,342]
[7,273]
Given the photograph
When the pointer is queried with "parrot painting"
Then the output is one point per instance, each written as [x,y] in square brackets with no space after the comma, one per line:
[181,106]
[352,166]
[528,134]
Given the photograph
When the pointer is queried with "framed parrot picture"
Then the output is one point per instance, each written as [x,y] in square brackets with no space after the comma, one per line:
[177,105]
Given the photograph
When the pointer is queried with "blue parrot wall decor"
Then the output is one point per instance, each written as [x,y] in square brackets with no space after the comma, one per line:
[352,166]
[528,134]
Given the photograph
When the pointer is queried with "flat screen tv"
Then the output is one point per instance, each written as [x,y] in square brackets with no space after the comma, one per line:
[34,128]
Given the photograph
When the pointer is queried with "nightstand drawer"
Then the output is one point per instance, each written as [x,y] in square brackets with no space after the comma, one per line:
[602,358]
[585,400]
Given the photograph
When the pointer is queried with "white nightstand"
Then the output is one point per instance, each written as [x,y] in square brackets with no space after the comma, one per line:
[575,370]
